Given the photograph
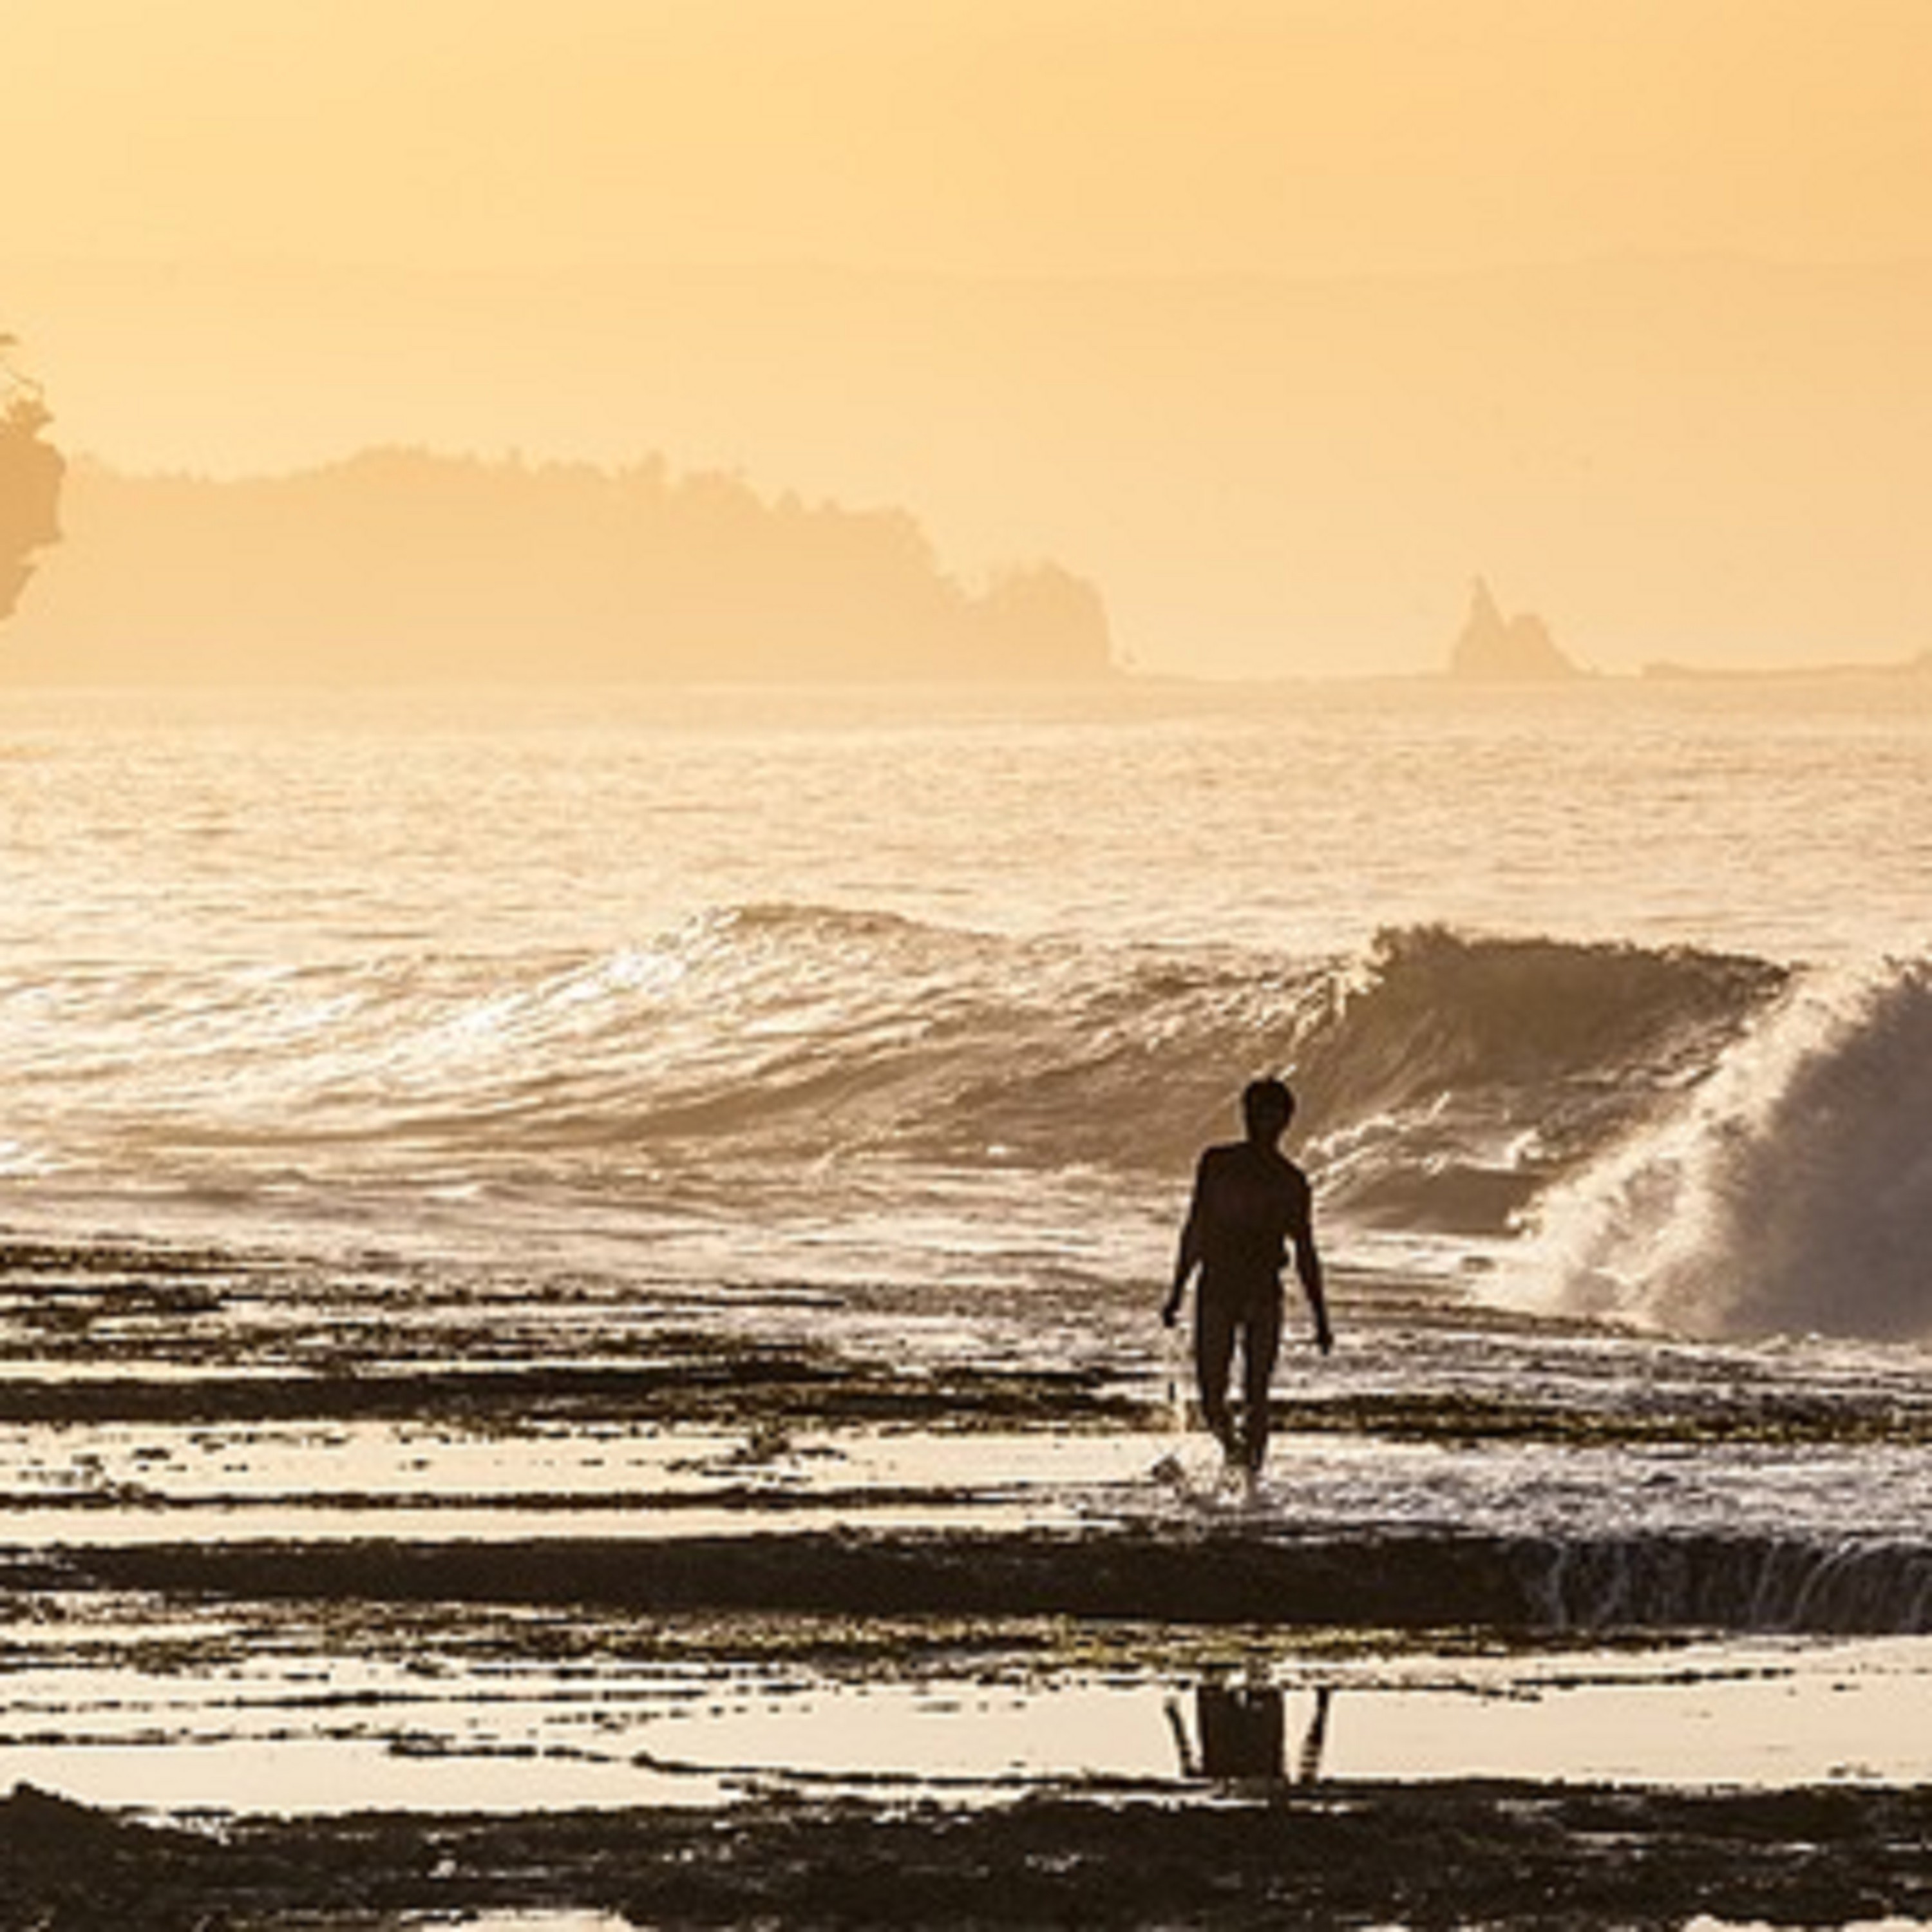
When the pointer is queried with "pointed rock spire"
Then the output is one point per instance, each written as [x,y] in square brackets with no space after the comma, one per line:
[1495,649]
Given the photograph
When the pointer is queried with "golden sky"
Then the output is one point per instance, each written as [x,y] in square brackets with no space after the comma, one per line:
[1055,136]
[1626,304]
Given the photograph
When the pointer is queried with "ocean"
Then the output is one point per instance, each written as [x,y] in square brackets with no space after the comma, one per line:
[1620,990]
[550,1088]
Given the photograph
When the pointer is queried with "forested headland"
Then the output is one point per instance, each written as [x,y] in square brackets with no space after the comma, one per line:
[400,565]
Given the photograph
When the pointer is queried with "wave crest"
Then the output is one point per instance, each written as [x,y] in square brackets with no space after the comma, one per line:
[1708,1143]
[1790,1192]
[1461,1074]
[1441,1075]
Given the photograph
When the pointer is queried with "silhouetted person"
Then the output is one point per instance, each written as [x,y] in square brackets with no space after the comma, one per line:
[1242,1733]
[1250,1202]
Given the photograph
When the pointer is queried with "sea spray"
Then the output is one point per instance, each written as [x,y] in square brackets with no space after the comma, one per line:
[1789,1192]
[1449,1077]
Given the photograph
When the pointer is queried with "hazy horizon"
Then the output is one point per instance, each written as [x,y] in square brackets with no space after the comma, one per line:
[1654,455]
[1278,322]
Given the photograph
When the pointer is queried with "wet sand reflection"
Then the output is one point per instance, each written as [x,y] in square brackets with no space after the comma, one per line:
[1240,1730]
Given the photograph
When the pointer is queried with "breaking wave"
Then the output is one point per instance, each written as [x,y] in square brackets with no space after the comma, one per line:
[794,1029]
[1455,1077]
[1790,1191]
[1708,1142]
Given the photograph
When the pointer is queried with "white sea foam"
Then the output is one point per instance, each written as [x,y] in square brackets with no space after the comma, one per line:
[1790,1191]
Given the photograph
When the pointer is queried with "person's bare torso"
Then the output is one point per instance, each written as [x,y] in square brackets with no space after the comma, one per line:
[1251,1203]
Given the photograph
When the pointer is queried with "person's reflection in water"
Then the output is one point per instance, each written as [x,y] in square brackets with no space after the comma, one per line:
[1242,1733]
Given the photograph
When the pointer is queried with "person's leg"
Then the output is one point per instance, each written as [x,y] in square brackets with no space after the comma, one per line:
[1213,1358]
[1261,1344]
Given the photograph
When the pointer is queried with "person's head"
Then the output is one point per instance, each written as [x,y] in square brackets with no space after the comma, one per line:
[1267,1108]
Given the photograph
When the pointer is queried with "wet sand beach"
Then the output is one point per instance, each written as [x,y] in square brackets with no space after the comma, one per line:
[340,1595]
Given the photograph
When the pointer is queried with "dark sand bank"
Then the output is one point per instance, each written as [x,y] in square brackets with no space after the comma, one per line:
[1436,1856]
[1222,1575]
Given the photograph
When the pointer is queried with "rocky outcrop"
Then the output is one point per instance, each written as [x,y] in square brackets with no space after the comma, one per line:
[1496,650]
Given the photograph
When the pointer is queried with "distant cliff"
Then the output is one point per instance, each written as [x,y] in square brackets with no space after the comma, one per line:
[398,565]
[1493,649]
[30,482]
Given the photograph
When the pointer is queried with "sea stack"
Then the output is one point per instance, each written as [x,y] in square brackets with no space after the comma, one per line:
[1496,649]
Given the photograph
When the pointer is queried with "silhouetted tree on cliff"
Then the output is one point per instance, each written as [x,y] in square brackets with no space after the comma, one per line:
[30,479]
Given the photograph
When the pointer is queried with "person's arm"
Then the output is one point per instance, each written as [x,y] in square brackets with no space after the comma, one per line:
[1187,1257]
[1308,1266]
